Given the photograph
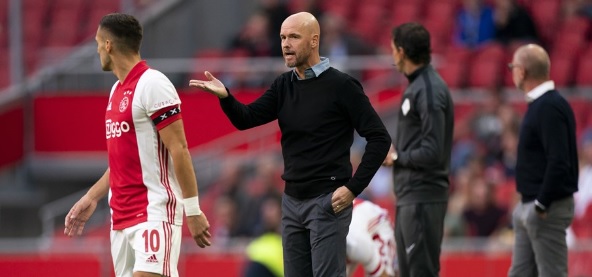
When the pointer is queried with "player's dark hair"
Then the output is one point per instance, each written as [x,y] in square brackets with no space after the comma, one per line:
[125,29]
[415,41]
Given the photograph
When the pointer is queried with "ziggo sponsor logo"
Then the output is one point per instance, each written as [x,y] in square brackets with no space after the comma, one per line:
[115,129]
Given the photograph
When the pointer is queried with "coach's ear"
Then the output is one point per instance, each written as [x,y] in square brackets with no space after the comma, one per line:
[315,41]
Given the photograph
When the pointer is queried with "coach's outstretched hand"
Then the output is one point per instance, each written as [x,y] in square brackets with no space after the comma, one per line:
[212,85]
[199,229]
[79,215]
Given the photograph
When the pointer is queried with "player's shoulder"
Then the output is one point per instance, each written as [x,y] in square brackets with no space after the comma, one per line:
[152,75]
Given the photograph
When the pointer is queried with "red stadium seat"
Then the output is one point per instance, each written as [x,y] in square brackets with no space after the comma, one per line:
[545,14]
[569,43]
[576,24]
[584,70]
[562,69]
[453,73]
[484,73]
[440,11]
[491,51]
[439,33]
[403,12]
[454,66]
[368,22]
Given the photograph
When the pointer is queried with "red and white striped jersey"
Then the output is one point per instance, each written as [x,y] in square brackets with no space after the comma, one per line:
[143,185]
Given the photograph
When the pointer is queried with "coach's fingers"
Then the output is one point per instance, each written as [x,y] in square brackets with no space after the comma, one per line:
[210,76]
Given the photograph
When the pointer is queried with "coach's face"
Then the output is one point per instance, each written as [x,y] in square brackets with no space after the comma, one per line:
[298,42]
[103,48]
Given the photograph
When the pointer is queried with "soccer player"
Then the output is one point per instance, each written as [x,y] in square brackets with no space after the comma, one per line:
[150,178]
[371,240]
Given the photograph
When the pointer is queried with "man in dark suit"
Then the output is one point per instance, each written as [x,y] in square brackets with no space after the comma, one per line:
[546,170]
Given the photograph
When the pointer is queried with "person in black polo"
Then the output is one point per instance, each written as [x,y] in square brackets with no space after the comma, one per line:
[546,170]
[421,154]
[317,108]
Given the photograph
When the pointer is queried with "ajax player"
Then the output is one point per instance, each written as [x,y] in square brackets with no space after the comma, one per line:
[150,179]
[371,240]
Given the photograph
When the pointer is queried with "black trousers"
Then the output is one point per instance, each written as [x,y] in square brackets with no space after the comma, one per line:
[418,232]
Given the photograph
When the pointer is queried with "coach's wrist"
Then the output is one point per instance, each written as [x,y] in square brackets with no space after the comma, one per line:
[191,206]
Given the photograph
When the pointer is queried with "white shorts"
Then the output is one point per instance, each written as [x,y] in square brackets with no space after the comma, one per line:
[151,246]
[375,251]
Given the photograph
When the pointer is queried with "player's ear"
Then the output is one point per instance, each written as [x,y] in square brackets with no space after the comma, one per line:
[108,45]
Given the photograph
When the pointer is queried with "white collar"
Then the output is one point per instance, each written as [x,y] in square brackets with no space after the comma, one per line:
[539,91]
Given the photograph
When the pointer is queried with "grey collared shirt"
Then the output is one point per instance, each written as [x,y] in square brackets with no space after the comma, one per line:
[314,71]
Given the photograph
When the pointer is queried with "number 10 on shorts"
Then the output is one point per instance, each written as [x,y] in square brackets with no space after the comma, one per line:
[151,239]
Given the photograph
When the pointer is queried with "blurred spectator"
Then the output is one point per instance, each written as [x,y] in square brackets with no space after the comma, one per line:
[254,38]
[571,8]
[583,198]
[265,257]
[311,6]
[454,224]
[487,126]
[337,44]
[513,23]
[275,11]
[482,215]
[509,147]
[474,23]
[265,184]
[224,223]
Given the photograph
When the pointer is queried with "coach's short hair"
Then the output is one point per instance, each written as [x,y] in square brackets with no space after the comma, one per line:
[126,30]
[415,41]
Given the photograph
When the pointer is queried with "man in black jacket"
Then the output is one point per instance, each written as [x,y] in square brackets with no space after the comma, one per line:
[421,154]
[546,169]
[317,108]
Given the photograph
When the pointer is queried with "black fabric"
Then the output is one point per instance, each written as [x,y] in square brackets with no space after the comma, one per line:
[547,163]
[418,233]
[317,118]
[424,139]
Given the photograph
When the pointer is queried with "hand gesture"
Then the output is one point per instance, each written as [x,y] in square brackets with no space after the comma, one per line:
[341,198]
[79,215]
[212,85]
[199,229]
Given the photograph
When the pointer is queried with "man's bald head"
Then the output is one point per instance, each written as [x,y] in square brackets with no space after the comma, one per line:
[305,22]
[535,60]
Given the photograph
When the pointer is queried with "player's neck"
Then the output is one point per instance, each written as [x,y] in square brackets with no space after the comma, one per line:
[122,65]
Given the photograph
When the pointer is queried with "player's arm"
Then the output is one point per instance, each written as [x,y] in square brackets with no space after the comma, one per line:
[85,207]
[173,137]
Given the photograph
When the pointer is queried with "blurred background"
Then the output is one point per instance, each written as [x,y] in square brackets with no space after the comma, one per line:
[53,95]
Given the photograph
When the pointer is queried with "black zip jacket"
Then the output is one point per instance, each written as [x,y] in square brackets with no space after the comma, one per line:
[424,139]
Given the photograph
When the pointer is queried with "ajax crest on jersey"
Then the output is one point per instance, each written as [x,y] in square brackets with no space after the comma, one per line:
[123,104]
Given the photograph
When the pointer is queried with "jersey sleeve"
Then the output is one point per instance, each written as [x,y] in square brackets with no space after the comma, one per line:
[160,100]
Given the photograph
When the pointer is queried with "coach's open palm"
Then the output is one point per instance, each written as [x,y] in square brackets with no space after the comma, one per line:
[199,229]
[212,85]
[79,215]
